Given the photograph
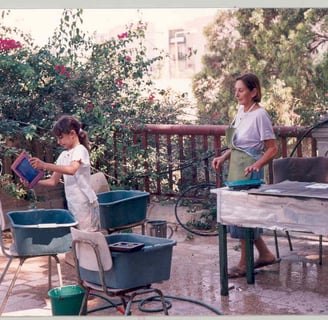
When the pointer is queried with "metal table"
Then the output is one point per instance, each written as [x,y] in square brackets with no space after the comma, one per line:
[288,205]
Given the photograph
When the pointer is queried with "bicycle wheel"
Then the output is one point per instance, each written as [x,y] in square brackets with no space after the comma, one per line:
[195,210]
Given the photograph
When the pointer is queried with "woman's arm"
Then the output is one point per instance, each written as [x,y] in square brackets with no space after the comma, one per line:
[271,149]
[217,162]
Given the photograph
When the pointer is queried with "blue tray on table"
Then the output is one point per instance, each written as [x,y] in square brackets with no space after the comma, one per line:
[244,184]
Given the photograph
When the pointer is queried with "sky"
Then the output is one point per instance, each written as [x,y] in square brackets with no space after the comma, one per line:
[42,22]
[42,17]
[161,3]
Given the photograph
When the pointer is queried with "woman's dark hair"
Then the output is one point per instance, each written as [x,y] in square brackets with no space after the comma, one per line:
[65,124]
[251,81]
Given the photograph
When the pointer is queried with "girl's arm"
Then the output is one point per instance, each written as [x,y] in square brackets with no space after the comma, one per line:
[62,169]
[58,170]
[52,181]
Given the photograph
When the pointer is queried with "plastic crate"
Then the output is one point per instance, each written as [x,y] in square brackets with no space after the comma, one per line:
[150,264]
[122,207]
[41,231]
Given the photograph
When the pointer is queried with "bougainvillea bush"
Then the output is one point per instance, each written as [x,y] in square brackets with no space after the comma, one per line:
[107,85]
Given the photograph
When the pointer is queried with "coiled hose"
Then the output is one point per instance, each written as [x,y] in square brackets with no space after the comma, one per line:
[143,302]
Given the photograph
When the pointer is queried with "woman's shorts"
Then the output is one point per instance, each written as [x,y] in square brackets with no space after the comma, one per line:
[239,232]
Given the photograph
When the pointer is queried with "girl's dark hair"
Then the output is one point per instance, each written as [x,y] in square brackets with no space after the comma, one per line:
[251,81]
[65,124]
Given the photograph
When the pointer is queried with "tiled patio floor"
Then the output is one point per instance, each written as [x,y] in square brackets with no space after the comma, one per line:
[298,286]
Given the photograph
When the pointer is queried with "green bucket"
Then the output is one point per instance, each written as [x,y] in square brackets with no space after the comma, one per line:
[67,300]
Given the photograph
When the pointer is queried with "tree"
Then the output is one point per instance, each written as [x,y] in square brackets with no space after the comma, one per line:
[107,85]
[286,48]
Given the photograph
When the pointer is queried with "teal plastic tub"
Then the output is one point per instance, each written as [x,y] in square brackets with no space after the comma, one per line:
[122,207]
[41,231]
[150,264]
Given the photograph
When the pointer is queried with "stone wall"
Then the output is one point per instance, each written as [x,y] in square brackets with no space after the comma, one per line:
[50,198]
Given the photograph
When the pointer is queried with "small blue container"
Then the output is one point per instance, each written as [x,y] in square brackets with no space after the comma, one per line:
[150,264]
[122,207]
[41,231]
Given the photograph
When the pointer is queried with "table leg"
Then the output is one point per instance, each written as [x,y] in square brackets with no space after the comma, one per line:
[249,238]
[320,250]
[223,255]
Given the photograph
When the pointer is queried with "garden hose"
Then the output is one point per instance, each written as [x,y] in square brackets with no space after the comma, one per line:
[187,164]
[142,302]
[183,225]
[155,298]
[306,133]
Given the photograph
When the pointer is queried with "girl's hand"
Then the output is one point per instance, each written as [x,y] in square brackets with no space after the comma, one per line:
[37,163]
[24,182]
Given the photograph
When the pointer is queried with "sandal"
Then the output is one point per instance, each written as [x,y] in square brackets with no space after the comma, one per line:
[236,272]
[260,264]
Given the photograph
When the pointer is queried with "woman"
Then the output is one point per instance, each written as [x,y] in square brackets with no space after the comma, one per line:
[254,136]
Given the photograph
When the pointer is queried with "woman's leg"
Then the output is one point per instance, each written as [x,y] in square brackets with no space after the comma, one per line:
[266,257]
[265,254]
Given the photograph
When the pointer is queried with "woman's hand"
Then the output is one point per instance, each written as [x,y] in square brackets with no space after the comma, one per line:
[271,149]
[37,163]
[217,162]
[252,168]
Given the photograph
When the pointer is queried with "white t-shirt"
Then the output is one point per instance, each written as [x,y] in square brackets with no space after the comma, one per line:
[252,129]
[78,191]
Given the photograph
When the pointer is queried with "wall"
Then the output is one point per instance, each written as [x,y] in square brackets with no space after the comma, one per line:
[50,198]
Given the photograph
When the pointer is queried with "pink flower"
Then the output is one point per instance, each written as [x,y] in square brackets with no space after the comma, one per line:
[8,44]
[215,115]
[151,97]
[128,58]
[89,107]
[122,35]
[62,70]
[119,82]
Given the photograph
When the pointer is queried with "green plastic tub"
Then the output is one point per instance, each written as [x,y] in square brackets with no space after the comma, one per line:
[152,263]
[66,300]
[41,231]
[122,207]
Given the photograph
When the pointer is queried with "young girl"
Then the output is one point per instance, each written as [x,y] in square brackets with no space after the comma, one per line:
[74,165]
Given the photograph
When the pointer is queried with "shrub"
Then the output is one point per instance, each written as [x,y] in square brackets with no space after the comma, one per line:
[107,85]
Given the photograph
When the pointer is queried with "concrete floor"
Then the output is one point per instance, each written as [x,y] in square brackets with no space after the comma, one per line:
[298,286]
